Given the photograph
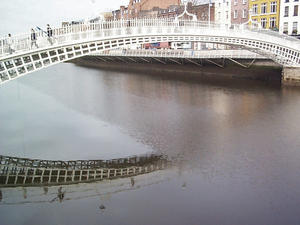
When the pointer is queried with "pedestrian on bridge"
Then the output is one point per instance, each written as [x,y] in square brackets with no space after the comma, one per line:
[50,34]
[10,44]
[33,38]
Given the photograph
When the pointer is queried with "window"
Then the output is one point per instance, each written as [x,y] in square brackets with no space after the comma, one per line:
[254,9]
[263,9]
[285,27]
[287,1]
[244,13]
[263,22]
[244,2]
[295,26]
[235,2]
[235,14]
[286,11]
[272,22]
[273,7]
[296,10]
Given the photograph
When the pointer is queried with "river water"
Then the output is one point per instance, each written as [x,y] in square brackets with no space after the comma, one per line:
[237,143]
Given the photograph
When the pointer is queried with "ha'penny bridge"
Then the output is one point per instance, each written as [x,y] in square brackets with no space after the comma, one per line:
[23,172]
[19,57]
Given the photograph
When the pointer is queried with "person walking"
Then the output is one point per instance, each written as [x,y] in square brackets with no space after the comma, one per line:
[50,34]
[33,38]
[10,44]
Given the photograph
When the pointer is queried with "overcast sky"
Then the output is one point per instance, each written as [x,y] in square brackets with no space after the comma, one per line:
[18,16]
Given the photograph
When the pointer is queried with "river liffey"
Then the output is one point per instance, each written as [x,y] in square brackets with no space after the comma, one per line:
[234,147]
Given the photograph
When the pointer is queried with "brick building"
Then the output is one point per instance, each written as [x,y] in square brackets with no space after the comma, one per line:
[121,13]
[202,11]
[239,11]
[140,8]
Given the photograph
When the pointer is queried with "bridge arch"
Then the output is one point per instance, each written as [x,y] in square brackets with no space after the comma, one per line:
[81,40]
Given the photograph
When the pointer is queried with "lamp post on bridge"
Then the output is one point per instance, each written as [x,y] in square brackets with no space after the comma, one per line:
[185,2]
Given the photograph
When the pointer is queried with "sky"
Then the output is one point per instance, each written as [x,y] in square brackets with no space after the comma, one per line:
[18,16]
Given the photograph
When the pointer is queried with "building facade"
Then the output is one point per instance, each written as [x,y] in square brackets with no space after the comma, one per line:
[136,6]
[223,12]
[121,13]
[266,13]
[239,11]
[204,11]
[289,17]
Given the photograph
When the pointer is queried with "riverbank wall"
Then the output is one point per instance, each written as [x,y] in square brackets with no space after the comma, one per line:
[291,76]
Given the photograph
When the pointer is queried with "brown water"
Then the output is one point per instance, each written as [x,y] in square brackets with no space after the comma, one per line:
[237,143]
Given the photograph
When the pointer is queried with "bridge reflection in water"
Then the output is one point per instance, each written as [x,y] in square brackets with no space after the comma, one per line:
[23,172]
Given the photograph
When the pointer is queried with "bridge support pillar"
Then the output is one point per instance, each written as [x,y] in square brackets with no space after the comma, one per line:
[291,76]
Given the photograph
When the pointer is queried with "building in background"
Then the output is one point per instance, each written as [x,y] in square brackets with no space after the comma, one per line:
[289,17]
[265,12]
[121,13]
[136,6]
[239,11]
[223,12]
[204,10]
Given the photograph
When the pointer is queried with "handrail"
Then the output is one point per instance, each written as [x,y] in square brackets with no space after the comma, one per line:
[171,53]
[84,32]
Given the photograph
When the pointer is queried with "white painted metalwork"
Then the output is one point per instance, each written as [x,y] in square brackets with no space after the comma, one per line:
[84,39]
[190,54]
[185,12]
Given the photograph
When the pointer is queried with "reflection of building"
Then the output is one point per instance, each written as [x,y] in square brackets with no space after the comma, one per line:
[239,11]
[289,17]
[265,12]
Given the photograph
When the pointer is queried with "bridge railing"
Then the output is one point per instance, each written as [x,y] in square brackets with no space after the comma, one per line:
[170,53]
[84,32]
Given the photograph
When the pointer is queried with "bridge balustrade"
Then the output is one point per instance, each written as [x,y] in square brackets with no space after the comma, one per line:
[18,58]
[80,32]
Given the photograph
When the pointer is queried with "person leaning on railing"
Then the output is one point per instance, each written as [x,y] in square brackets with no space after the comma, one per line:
[33,38]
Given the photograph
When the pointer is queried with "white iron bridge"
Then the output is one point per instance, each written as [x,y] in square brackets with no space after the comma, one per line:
[19,56]
[180,57]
